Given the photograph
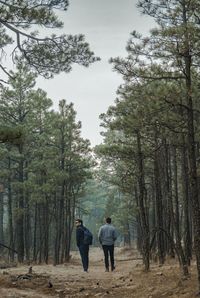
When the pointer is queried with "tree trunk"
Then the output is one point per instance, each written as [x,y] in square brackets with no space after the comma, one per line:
[176,221]
[1,218]
[142,209]
[159,205]
[186,208]
[169,210]
[191,145]
[35,234]
[20,211]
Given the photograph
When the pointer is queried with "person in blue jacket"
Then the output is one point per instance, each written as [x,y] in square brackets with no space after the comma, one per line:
[83,248]
[107,236]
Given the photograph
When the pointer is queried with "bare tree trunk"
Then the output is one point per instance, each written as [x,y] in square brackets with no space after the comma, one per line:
[138,221]
[35,234]
[20,212]
[1,218]
[142,209]
[69,223]
[27,229]
[159,205]
[191,146]
[169,214]
[10,215]
[59,227]
[186,208]
[27,223]
[46,232]
[176,220]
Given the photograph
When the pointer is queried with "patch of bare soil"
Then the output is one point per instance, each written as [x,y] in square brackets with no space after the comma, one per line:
[69,280]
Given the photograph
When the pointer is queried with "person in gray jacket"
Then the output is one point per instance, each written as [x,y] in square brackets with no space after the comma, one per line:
[107,236]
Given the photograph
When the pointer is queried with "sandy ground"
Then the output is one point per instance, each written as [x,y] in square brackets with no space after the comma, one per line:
[69,280]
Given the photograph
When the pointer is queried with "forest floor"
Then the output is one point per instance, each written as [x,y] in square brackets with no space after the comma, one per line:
[128,280]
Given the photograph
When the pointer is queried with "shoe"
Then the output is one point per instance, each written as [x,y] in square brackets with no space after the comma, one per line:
[107,270]
[112,269]
[86,271]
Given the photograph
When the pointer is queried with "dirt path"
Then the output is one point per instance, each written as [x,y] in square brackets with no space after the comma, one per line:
[68,280]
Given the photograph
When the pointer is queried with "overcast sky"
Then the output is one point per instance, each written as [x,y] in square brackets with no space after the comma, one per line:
[106,25]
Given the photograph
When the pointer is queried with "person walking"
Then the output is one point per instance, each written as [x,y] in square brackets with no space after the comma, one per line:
[83,240]
[107,236]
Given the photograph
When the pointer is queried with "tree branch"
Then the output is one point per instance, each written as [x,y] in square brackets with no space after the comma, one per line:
[6,72]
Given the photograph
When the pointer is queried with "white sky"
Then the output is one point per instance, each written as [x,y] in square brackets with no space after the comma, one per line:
[106,25]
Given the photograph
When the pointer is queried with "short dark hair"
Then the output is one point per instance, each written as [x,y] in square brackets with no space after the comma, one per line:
[79,220]
[108,220]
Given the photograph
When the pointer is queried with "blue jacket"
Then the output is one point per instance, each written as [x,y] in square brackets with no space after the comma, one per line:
[80,235]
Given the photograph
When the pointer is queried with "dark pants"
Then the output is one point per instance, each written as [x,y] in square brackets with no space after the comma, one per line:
[84,252]
[109,250]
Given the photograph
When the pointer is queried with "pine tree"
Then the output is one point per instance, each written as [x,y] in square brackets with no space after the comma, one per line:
[46,55]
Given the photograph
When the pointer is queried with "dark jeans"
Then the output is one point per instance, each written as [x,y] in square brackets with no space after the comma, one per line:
[84,252]
[109,250]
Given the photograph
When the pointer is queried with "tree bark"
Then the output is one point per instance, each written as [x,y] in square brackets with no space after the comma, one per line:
[142,209]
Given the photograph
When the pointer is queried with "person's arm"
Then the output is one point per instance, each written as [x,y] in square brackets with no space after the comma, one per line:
[78,236]
[100,235]
[114,234]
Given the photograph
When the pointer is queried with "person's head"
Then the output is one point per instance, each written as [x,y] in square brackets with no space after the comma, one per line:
[78,222]
[108,220]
